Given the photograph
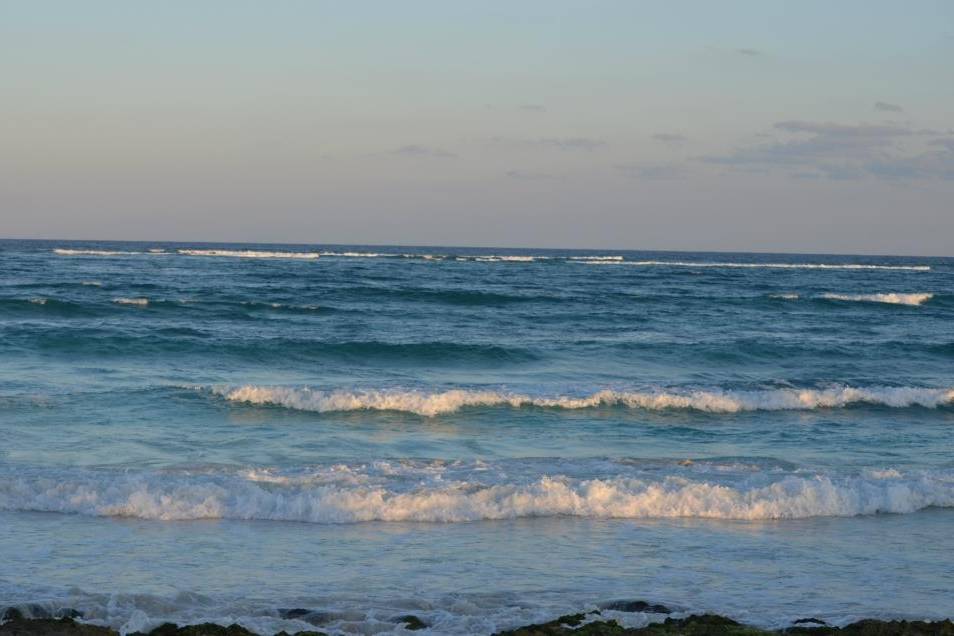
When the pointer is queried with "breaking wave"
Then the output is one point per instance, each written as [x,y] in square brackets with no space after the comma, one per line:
[77,252]
[430,404]
[892,299]
[848,266]
[434,492]
[607,259]
[139,302]
[250,254]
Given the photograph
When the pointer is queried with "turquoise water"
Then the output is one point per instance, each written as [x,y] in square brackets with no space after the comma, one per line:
[481,437]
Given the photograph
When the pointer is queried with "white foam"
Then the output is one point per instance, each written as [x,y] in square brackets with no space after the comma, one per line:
[91,283]
[513,258]
[250,254]
[75,252]
[847,266]
[38,301]
[356,254]
[443,496]
[597,258]
[892,299]
[140,302]
[784,296]
[430,404]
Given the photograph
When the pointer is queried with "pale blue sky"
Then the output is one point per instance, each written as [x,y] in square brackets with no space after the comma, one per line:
[797,126]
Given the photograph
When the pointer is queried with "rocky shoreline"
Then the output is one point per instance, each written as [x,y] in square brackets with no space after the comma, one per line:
[14,623]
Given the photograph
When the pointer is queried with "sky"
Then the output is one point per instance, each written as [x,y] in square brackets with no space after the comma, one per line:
[802,125]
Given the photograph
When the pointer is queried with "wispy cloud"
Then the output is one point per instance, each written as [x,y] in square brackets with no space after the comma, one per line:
[561,143]
[415,150]
[748,52]
[523,175]
[844,151]
[534,108]
[653,172]
[885,107]
[669,138]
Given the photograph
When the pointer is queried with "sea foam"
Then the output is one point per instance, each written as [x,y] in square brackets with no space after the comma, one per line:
[61,251]
[138,302]
[250,254]
[892,298]
[342,494]
[845,266]
[430,404]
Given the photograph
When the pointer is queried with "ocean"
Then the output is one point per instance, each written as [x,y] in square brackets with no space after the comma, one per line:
[483,438]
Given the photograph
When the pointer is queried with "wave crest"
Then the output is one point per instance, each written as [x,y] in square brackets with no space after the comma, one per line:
[138,302]
[735,265]
[250,254]
[891,298]
[443,402]
[345,495]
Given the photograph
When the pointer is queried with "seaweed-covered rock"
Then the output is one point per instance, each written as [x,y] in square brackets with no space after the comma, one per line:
[705,625]
[51,627]
[569,624]
[11,614]
[898,628]
[698,625]
[202,629]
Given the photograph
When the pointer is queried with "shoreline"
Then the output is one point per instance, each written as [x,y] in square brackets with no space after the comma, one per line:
[66,623]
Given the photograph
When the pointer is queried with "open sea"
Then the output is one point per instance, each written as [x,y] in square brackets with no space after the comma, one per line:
[483,438]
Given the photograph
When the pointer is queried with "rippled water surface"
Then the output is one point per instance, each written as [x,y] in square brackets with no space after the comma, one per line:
[480,437]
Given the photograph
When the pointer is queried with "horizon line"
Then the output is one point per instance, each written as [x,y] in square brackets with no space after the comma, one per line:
[478,247]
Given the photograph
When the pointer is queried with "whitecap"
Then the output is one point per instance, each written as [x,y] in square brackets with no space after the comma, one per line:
[431,404]
[889,298]
[249,254]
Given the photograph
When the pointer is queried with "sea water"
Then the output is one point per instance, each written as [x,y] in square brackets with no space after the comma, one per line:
[483,438]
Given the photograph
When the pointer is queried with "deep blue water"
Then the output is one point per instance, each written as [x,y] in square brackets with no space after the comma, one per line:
[483,437]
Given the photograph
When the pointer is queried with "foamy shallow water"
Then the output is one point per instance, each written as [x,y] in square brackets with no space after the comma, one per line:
[482,438]
[478,578]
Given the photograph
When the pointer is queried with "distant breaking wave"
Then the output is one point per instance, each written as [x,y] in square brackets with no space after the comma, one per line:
[251,254]
[892,299]
[608,259]
[71,252]
[439,403]
[139,302]
[439,492]
[860,266]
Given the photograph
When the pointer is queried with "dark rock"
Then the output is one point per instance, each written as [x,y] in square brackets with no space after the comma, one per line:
[68,612]
[809,621]
[203,629]
[298,612]
[899,628]
[411,622]
[571,619]
[699,625]
[51,627]
[284,633]
[636,606]
[11,614]
[567,625]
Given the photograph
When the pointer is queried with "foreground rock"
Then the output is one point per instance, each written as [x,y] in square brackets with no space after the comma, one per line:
[571,625]
[713,625]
